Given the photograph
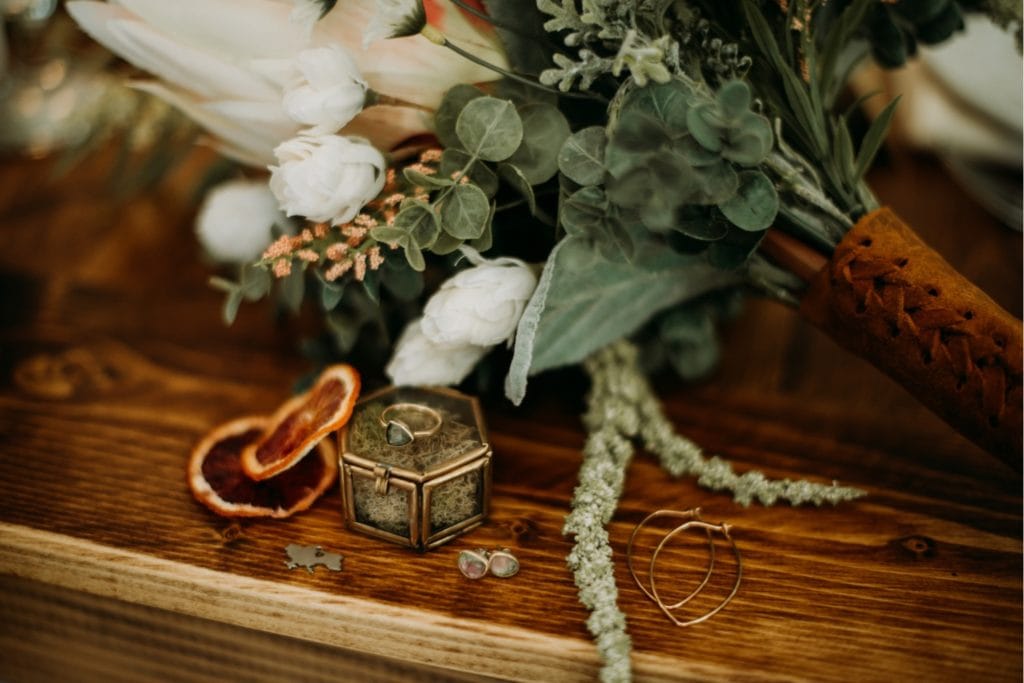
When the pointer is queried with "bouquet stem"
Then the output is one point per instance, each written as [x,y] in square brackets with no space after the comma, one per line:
[891,299]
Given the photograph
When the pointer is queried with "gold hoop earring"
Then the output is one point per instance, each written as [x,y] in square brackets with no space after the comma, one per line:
[722,528]
[693,514]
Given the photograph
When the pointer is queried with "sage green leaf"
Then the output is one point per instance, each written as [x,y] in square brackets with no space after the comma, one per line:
[232,302]
[750,141]
[581,158]
[667,102]
[718,182]
[454,101]
[388,234]
[464,212]
[733,99]
[414,256]
[701,224]
[873,139]
[480,174]
[544,132]
[705,126]
[490,128]
[371,285]
[515,177]
[754,206]
[619,244]
[419,220]
[424,180]
[445,244]
[486,240]
[583,302]
[292,288]
[580,213]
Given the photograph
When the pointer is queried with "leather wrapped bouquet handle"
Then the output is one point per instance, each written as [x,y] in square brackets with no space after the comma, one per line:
[889,298]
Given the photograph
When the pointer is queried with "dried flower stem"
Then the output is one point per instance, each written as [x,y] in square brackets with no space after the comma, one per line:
[622,408]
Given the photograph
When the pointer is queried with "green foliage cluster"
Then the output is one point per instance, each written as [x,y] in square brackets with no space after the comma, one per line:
[488,141]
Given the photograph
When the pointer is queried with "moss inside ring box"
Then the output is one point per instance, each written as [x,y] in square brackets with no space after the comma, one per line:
[421,492]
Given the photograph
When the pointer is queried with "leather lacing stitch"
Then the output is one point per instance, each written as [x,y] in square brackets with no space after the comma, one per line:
[942,334]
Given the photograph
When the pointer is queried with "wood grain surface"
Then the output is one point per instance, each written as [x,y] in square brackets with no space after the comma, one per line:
[114,362]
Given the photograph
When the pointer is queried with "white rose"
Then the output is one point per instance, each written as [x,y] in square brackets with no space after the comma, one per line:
[480,305]
[327,90]
[419,361]
[327,177]
[235,221]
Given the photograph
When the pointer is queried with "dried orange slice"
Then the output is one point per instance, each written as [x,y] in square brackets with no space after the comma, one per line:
[217,481]
[302,422]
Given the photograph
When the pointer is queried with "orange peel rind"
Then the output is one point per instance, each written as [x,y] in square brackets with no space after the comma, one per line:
[302,422]
[217,480]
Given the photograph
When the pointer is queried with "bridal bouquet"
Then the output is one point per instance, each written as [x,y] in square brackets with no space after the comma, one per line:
[582,181]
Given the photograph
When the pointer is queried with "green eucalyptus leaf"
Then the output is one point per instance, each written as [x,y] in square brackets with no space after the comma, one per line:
[419,220]
[583,210]
[490,128]
[718,182]
[666,102]
[754,205]
[454,101]
[388,234]
[486,240]
[445,244]
[705,126]
[700,223]
[733,99]
[583,302]
[480,174]
[750,141]
[371,285]
[464,212]
[414,256]
[515,177]
[581,158]
[545,130]
[424,180]
[618,242]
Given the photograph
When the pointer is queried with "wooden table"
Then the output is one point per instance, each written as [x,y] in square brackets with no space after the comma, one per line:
[114,362]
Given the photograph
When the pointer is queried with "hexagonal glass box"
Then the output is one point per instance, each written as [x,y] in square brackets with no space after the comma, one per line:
[415,466]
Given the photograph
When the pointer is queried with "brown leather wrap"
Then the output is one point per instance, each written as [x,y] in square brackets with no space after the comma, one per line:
[889,298]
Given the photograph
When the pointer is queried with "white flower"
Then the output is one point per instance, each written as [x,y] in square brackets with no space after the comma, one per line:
[395,19]
[327,91]
[224,63]
[480,305]
[326,178]
[235,221]
[419,361]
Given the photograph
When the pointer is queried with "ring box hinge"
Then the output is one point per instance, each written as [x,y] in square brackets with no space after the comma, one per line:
[382,479]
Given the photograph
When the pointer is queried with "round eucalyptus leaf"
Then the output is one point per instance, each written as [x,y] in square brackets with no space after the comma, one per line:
[580,213]
[490,128]
[464,212]
[733,99]
[701,224]
[402,281]
[755,204]
[717,182]
[454,160]
[420,222]
[515,177]
[452,104]
[667,102]
[424,180]
[544,132]
[705,126]
[388,234]
[445,244]
[415,257]
[581,158]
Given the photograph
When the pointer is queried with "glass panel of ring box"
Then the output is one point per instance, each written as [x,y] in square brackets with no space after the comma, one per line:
[415,466]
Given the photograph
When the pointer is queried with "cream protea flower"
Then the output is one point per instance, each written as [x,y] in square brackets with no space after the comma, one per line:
[235,222]
[226,63]
[326,178]
[327,91]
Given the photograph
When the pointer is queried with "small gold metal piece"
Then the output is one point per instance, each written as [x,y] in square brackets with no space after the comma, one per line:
[382,477]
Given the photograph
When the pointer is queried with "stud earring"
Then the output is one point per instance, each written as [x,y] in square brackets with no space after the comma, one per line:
[503,563]
[474,563]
